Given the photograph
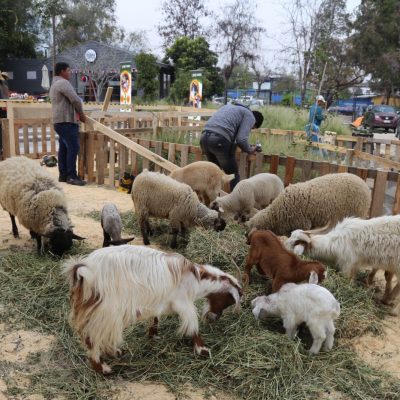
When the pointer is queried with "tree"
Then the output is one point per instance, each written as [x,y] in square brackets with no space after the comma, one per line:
[135,41]
[189,54]
[260,70]
[19,29]
[376,42]
[238,33]
[182,18]
[147,75]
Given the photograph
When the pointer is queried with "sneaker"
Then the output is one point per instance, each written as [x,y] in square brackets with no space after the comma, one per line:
[76,181]
[62,178]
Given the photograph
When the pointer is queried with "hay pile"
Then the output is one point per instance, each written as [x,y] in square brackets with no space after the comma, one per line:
[249,360]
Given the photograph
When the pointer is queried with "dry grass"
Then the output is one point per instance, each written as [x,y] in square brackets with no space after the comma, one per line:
[250,360]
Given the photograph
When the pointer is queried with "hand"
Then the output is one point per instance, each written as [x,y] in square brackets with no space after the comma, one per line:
[82,118]
[252,150]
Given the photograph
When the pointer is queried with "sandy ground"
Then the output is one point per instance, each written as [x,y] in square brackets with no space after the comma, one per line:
[15,346]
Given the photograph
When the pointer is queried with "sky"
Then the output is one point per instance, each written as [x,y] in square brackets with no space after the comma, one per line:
[145,15]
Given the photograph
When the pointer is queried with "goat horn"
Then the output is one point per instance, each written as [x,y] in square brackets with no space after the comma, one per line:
[322,230]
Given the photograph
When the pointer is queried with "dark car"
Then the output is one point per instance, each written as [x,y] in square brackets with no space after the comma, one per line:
[381,117]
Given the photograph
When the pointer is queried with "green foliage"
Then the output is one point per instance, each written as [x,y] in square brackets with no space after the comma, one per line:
[147,75]
[19,29]
[188,54]
[376,41]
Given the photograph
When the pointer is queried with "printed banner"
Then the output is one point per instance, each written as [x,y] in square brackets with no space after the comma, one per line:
[125,79]
[196,92]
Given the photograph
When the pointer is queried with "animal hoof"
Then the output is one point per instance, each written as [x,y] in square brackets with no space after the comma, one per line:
[202,351]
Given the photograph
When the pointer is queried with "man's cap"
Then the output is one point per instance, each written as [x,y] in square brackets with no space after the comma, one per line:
[320,98]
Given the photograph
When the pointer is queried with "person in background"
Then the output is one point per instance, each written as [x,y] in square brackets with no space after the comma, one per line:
[228,128]
[4,94]
[315,118]
[67,110]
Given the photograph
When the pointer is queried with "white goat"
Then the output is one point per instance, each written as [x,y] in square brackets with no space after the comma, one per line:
[355,244]
[307,302]
[114,287]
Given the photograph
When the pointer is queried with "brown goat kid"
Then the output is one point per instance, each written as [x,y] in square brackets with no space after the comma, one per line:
[273,260]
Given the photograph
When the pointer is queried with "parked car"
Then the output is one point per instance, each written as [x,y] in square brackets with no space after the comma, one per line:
[381,117]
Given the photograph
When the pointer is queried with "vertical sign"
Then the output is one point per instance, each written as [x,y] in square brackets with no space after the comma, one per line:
[125,79]
[196,88]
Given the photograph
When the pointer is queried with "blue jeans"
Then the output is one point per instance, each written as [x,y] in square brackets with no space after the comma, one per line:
[221,152]
[68,150]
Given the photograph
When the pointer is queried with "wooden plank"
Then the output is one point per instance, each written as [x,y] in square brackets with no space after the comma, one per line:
[134,163]
[387,151]
[90,157]
[243,165]
[111,163]
[44,137]
[16,138]
[145,162]
[273,167]
[362,173]
[171,152]
[100,159]
[158,150]
[52,139]
[25,139]
[396,205]
[259,163]
[35,140]
[11,129]
[384,162]
[306,170]
[82,154]
[378,194]
[198,155]
[377,149]
[147,154]
[6,138]
[342,168]
[324,168]
[184,155]
[349,157]
[289,170]
[122,159]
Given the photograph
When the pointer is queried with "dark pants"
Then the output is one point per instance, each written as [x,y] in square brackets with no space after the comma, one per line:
[220,151]
[68,151]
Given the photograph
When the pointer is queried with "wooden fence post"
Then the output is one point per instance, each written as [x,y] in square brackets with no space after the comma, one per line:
[378,194]
[289,170]
[349,157]
[274,163]
[396,205]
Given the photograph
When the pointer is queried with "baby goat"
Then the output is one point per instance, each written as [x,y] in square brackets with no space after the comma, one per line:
[272,259]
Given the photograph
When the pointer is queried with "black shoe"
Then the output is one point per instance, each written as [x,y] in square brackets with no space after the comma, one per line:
[76,181]
[62,178]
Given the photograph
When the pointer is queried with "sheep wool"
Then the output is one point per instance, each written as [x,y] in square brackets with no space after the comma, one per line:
[315,203]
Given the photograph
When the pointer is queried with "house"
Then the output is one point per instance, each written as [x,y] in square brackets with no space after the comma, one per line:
[94,67]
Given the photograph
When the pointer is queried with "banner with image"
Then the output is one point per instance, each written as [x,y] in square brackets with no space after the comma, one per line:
[196,91]
[125,79]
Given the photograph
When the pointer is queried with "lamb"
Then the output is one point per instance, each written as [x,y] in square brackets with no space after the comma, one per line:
[308,303]
[272,259]
[29,192]
[354,244]
[157,195]
[204,177]
[112,226]
[115,287]
[250,195]
[314,203]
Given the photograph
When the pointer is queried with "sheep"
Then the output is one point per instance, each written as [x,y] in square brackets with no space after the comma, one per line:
[249,196]
[112,226]
[204,177]
[115,287]
[272,259]
[160,196]
[307,302]
[314,203]
[354,244]
[29,192]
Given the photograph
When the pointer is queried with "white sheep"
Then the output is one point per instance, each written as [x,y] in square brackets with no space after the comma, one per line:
[354,244]
[306,302]
[30,193]
[249,196]
[204,177]
[314,203]
[112,226]
[158,195]
[115,287]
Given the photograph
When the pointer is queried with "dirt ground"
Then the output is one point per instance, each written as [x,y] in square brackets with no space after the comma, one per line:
[16,345]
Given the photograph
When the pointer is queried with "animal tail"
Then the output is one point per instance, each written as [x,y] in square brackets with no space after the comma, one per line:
[228,178]
[78,273]
[336,311]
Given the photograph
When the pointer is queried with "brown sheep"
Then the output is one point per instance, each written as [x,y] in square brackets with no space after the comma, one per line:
[273,260]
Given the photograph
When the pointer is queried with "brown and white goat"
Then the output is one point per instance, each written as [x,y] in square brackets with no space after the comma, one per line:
[273,260]
[115,287]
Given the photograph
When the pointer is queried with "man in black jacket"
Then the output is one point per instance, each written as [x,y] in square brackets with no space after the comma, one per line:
[228,128]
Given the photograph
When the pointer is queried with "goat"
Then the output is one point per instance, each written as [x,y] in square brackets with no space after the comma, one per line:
[275,261]
[114,287]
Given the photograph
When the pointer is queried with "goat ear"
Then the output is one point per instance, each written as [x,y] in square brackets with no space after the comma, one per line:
[313,278]
[76,237]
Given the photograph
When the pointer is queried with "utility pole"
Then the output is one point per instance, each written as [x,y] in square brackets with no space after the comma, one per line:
[53,52]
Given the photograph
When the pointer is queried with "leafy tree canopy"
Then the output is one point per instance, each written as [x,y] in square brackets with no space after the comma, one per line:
[147,75]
